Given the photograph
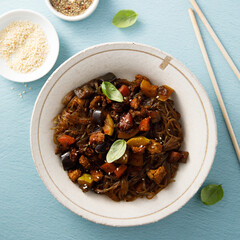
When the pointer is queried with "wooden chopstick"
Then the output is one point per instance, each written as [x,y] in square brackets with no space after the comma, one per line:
[216,39]
[214,82]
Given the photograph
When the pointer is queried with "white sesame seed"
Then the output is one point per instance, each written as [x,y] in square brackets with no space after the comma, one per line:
[30,88]
[12,88]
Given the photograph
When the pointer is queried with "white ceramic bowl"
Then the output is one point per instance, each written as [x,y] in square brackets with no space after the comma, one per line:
[126,60]
[52,38]
[87,13]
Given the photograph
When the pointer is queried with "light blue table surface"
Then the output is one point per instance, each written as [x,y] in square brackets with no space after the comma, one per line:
[29,211]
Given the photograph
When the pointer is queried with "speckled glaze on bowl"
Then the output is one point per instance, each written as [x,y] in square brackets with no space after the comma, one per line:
[126,60]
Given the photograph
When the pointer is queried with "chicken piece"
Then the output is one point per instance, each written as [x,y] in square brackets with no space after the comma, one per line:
[74,174]
[97,175]
[155,147]
[96,137]
[157,175]
[84,162]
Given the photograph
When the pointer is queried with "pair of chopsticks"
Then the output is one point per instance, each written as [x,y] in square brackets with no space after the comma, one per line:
[209,67]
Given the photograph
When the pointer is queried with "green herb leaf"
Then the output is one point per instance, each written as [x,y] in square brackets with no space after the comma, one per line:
[211,194]
[117,150]
[111,92]
[124,18]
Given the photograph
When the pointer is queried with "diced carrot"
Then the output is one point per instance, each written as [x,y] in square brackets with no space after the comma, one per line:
[148,89]
[108,167]
[124,90]
[66,140]
[134,103]
[120,170]
[145,125]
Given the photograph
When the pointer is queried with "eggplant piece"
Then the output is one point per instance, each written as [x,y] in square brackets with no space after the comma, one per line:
[67,162]
[102,148]
[108,77]
[98,117]
[84,92]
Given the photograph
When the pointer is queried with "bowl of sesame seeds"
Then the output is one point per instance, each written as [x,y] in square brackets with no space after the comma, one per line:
[29,45]
[72,10]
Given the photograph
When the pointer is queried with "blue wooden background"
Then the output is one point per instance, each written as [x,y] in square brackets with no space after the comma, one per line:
[29,211]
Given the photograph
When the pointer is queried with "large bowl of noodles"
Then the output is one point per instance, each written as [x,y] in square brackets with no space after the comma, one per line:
[126,60]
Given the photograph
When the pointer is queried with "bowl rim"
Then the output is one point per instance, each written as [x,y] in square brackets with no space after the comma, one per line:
[82,16]
[21,76]
[191,190]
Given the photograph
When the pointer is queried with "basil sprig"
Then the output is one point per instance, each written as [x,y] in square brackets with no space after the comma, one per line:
[116,151]
[125,18]
[111,92]
[212,194]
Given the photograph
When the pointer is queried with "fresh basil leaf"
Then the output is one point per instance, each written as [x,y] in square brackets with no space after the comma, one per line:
[211,194]
[124,18]
[116,151]
[111,92]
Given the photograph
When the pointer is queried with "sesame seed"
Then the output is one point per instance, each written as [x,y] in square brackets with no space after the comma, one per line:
[11,88]
[25,85]
[30,88]
[24,92]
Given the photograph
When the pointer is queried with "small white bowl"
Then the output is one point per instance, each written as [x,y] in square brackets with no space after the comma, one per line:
[87,13]
[52,38]
[126,60]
